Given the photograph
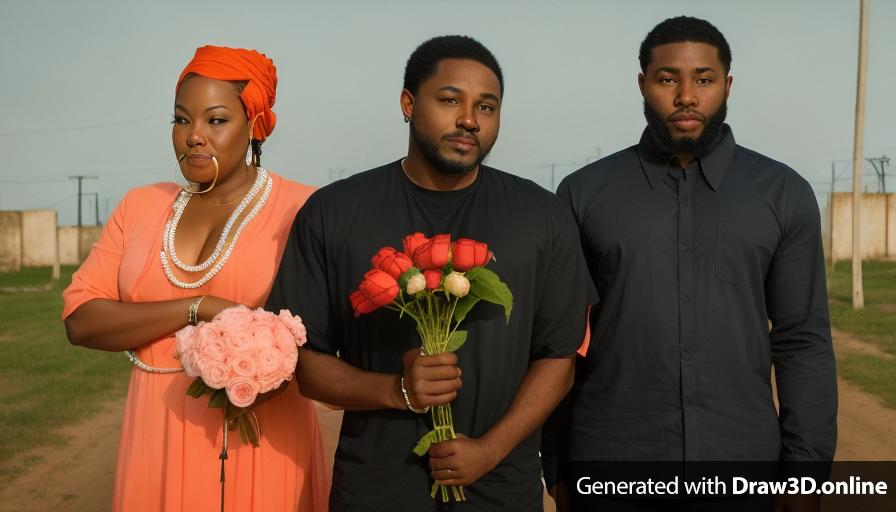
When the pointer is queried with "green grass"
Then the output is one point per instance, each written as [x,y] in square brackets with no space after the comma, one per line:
[876,323]
[45,383]
[873,374]
[29,277]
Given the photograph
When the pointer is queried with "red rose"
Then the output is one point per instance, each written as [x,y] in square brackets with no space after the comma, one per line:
[375,291]
[392,262]
[433,279]
[412,242]
[434,253]
[469,253]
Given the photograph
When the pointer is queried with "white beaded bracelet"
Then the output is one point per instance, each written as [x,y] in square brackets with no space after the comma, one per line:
[407,401]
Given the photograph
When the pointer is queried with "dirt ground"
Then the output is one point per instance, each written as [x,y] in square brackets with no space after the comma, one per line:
[78,477]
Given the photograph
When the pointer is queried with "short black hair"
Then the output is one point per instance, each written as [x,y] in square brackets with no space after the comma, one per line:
[684,29]
[423,62]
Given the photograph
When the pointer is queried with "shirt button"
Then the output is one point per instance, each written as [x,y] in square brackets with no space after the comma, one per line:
[686,355]
[684,199]
[685,298]
[684,247]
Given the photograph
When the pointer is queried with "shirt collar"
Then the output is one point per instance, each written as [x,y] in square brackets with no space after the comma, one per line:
[713,164]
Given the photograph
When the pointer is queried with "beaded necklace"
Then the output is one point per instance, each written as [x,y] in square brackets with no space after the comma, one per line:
[223,249]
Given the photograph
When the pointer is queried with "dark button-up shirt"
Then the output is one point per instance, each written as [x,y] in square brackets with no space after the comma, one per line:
[691,265]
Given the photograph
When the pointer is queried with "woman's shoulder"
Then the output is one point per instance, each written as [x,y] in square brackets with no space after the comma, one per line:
[152,193]
[145,198]
[291,190]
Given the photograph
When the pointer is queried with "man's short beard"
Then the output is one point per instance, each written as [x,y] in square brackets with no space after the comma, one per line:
[430,153]
[662,137]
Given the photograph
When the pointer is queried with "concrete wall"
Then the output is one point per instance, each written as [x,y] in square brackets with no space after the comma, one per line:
[89,236]
[878,222]
[38,238]
[68,245]
[29,239]
[71,252]
[10,241]
[891,225]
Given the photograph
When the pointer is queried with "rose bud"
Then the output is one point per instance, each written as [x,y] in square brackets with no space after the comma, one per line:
[457,284]
[467,253]
[360,304]
[412,242]
[433,279]
[391,262]
[416,283]
[375,291]
[435,253]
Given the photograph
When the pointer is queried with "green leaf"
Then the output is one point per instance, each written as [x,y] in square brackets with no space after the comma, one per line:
[464,305]
[486,285]
[244,435]
[456,341]
[249,423]
[218,400]
[425,442]
[198,388]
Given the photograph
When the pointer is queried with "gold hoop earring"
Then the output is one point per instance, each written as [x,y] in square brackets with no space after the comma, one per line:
[191,188]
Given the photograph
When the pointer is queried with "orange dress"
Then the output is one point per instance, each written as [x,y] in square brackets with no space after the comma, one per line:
[169,446]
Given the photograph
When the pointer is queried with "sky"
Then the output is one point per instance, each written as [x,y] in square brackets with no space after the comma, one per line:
[89,85]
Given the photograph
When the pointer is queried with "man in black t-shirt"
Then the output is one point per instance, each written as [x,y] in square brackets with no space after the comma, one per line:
[513,373]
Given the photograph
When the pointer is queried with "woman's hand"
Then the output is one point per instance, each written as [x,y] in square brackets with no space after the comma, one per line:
[211,306]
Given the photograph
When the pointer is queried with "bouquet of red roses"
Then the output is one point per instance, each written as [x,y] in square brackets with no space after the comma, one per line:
[436,282]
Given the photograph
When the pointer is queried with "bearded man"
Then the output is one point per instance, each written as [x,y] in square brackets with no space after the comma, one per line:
[514,372]
[696,245]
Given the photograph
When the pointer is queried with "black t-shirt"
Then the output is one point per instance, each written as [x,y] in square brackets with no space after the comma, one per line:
[538,254]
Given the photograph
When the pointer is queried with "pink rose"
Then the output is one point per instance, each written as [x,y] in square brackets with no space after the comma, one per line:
[210,344]
[239,338]
[184,339]
[269,362]
[236,325]
[184,342]
[214,373]
[243,365]
[265,385]
[289,362]
[263,323]
[241,391]
[295,326]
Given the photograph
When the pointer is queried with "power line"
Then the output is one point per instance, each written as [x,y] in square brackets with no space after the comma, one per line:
[25,182]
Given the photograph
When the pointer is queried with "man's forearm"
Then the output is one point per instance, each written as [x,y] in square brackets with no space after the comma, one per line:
[328,379]
[546,383]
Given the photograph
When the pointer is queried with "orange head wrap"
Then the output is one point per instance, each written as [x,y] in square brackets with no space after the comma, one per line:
[237,64]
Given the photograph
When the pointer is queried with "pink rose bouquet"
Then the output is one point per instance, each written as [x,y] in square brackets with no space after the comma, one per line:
[240,354]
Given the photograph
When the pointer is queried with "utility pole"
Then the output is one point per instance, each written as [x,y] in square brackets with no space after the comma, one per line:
[96,206]
[882,172]
[81,178]
[858,295]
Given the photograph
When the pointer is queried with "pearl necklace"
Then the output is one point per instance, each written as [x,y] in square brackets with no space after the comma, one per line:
[215,262]
[180,206]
